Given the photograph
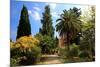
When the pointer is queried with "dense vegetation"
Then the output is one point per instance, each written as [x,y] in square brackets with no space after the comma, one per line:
[85,49]
[76,30]
[48,44]
[25,51]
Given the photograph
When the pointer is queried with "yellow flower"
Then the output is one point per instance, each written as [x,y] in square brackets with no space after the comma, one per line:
[25,42]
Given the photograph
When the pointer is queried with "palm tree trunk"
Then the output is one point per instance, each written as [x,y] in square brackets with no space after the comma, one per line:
[68,45]
[68,41]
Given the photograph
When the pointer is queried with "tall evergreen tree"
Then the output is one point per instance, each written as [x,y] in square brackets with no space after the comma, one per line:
[47,28]
[24,27]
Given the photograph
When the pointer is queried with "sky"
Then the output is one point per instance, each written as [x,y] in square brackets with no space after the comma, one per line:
[35,10]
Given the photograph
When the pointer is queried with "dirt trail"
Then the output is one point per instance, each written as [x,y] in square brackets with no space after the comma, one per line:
[51,59]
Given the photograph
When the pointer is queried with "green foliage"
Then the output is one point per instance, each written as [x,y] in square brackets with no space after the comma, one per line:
[31,56]
[63,52]
[88,33]
[39,36]
[47,28]
[84,54]
[46,33]
[76,11]
[14,62]
[84,45]
[47,43]
[24,27]
[74,54]
[26,51]
[74,50]
[69,21]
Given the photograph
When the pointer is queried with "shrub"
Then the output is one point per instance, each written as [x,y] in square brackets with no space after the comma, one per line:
[26,49]
[74,50]
[84,54]
[31,56]
[62,52]
[84,46]
[14,62]
[47,43]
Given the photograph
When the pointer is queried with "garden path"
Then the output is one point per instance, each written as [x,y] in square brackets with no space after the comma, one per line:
[51,59]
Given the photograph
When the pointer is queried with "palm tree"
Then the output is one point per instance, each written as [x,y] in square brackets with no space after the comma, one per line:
[68,25]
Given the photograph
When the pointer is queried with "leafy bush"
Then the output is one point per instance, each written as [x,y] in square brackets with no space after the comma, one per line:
[84,45]
[47,43]
[62,52]
[84,54]
[74,50]
[14,62]
[26,49]
[31,56]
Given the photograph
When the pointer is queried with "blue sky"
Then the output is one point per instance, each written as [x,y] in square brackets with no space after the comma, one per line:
[35,10]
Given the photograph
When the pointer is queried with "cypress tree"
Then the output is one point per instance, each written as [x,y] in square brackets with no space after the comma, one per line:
[47,28]
[24,27]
